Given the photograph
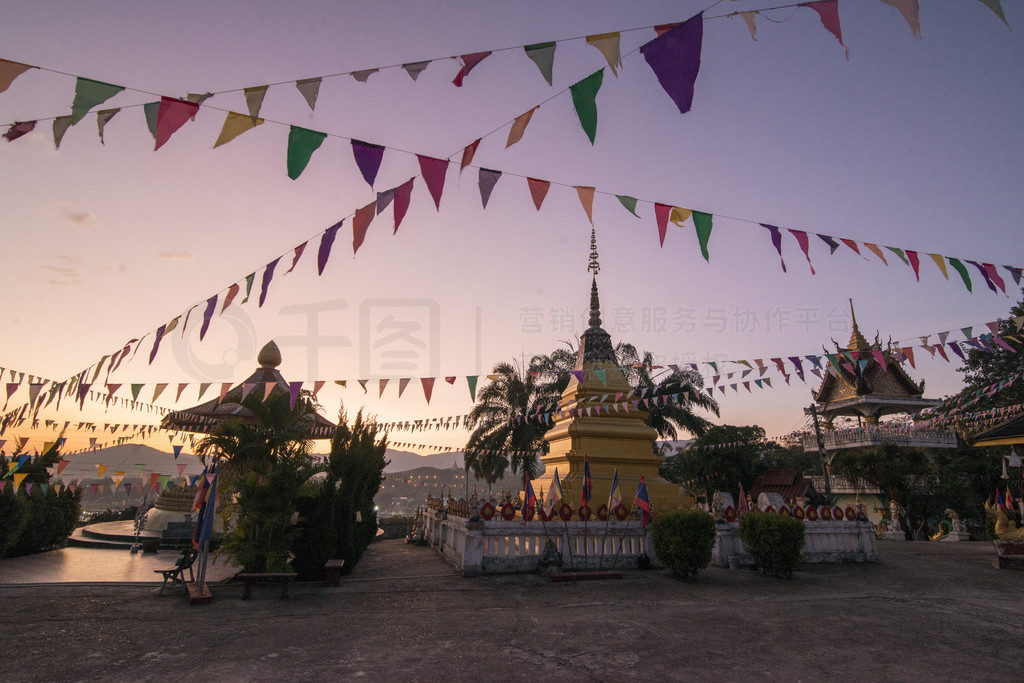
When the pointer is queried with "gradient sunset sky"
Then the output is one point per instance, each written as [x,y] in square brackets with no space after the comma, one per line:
[911,143]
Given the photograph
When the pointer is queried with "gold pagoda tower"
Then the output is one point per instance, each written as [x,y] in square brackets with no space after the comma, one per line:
[591,421]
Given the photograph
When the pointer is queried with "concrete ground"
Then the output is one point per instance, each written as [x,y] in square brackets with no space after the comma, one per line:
[926,611]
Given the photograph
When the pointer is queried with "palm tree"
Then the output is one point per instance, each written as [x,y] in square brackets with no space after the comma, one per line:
[668,417]
[499,417]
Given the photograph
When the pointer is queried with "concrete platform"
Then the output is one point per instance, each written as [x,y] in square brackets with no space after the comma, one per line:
[925,611]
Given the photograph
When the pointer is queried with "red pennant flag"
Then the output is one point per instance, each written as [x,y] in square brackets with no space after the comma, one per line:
[908,351]
[851,244]
[801,238]
[828,12]
[434,171]
[361,223]
[428,387]
[297,255]
[172,115]
[18,129]
[468,62]
[538,190]
[661,214]
[402,194]
[468,153]
[230,296]
[915,263]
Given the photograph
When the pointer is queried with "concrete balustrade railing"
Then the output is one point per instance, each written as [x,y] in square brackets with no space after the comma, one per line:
[824,542]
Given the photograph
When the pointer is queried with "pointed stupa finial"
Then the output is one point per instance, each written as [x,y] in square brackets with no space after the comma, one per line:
[593,265]
[857,340]
[269,356]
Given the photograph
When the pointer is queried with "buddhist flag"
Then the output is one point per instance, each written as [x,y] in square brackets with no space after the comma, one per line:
[10,70]
[543,55]
[614,497]
[302,142]
[172,115]
[554,493]
[584,99]
[675,59]
[88,94]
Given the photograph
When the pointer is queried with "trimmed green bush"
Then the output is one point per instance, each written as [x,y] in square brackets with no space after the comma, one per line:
[684,541]
[13,517]
[774,541]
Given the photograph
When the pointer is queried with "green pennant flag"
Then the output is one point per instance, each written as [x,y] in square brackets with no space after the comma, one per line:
[89,93]
[543,55]
[152,111]
[302,142]
[702,221]
[471,381]
[136,388]
[962,269]
[584,99]
[899,252]
[997,8]
[248,286]
[629,203]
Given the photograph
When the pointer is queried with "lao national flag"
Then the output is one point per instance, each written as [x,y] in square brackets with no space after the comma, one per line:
[554,493]
[999,500]
[587,484]
[531,499]
[643,502]
[614,497]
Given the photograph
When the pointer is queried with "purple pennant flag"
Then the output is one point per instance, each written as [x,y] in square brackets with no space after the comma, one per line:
[325,246]
[827,239]
[488,179]
[211,306]
[294,388]
[578,374]
[674,57]
[268,275]
[177,451]
[984,274]
[777,241]
[156,343]
[368,157]
[956,349]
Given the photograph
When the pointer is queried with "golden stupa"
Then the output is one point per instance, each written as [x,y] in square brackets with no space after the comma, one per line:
[611,436]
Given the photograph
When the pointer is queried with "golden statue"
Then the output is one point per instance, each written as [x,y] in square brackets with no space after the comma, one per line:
[1005,529]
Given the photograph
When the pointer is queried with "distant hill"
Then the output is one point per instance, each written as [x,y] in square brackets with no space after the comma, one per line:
[401,461]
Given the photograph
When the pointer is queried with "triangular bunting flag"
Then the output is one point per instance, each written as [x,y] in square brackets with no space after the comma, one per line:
[88,94]
[629,203]
[310,89]
[538,190]
[586,195]
[234,125]
[488,179]
[828,12]
[302,142]
[268,275]
[434,171]
[608,45]
[368,157]
[361,223]
[10,70]
[172,115]
[584,99]
[519,127]
[468,62]
[675,59]
[542,54]
[402,193]
[326,241]
[254,101]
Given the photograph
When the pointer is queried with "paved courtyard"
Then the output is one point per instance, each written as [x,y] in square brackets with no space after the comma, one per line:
[926,611]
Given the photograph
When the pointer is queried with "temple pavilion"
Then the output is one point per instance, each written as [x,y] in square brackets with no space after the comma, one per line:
[611,436]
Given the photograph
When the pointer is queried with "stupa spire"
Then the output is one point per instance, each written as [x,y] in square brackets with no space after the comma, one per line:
[595,343]
[595,266]
[857,340]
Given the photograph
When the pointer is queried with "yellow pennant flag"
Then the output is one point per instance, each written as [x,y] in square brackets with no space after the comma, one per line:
[234,125]
[608,45]
[678,215]
[100,469]
[18,478]
[941,263]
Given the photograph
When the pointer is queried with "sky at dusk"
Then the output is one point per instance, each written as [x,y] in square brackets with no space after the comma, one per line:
[911,143]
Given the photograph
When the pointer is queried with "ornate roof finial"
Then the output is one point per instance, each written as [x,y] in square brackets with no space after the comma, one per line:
[857,340]
[593,265]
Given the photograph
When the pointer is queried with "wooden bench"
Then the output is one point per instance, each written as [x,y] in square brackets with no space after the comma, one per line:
[266,577]
[332,572]
[176,574]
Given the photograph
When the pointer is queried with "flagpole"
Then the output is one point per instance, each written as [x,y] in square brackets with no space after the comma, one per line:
[622,538]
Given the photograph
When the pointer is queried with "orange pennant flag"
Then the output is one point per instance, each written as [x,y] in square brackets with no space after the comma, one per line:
[519,127]
[586,195]
[878,252]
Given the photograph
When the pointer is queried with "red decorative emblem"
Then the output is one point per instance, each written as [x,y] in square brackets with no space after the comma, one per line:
[487,511]
[602,512]
[837,513]
[798,513]
[621,512]
[565,512]
[770,510]
[826,513]
[812,514]
[544,516]
[585,513]
[784,511]
[851,514]
[730,514]
[508,512]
